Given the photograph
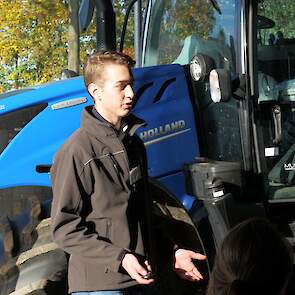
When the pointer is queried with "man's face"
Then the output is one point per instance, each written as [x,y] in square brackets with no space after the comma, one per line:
[115,95]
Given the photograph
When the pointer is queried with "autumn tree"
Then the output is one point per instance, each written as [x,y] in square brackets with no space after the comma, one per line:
[32,41]
[180,19]
[281,12]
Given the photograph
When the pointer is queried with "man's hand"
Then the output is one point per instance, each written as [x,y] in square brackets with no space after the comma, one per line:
[135,269]
[184,266]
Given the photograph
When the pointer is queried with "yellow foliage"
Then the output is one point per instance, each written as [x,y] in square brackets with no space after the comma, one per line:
[33,39]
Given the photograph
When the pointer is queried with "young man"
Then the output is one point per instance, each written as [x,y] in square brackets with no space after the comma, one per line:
[100,212]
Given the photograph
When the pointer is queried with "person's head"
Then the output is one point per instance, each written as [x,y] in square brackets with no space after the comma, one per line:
[253,259]
[108,79]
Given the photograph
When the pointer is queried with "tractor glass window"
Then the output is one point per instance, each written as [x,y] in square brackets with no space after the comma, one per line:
[276,101]
[179,29]
[12,123]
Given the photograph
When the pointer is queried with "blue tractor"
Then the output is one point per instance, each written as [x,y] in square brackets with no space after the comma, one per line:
[217,90]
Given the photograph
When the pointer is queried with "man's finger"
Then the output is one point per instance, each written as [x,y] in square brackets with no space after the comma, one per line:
[141,280]
[198,256]
[141,270]
[197,273]
[194,273]
[187,276]
[148,266]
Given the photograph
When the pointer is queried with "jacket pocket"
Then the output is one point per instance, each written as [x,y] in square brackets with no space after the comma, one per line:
[104,227]
[113,171]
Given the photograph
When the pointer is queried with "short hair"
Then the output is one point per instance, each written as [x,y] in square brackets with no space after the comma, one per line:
[95,63]
[254,258]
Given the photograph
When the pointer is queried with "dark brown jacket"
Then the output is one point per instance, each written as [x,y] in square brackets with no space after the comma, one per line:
[97,210]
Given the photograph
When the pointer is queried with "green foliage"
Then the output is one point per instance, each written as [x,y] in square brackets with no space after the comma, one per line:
[282,12]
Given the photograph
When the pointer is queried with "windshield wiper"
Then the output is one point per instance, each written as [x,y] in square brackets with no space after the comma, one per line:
[216,6]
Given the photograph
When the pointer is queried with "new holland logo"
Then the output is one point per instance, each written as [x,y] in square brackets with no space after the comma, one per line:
[163,132]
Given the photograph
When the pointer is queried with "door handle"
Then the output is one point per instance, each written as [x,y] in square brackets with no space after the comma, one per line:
[43,168]
[277,118]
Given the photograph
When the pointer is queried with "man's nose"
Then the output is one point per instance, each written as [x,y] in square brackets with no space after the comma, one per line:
[129,92]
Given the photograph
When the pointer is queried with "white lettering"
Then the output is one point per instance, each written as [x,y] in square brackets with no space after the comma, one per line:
[162,130]
[143,135]
[167,128]
[181,124]
[151,133]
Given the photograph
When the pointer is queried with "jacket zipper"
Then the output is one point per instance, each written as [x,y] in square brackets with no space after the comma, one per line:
[115,165]
[125,153]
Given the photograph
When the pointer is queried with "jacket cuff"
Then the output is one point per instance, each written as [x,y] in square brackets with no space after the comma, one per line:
[116,265]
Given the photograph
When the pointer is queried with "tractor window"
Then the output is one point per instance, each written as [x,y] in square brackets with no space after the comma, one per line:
[12,123]
[276,102]
[179,29]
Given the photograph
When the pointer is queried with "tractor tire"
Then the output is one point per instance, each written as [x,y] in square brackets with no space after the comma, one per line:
[42,269]
[174,226]
[39,270]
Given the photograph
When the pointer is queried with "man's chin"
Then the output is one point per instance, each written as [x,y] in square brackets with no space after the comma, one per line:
[126,112]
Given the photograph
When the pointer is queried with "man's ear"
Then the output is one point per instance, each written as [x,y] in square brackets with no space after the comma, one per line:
[94,90]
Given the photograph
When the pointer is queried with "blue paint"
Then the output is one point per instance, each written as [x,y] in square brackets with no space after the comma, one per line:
[164,103]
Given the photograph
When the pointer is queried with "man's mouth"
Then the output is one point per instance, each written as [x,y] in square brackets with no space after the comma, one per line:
[127,106]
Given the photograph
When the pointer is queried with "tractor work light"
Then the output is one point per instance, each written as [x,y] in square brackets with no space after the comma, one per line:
[220,85]
[200,67]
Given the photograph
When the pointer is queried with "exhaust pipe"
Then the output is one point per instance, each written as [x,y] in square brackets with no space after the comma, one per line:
[105,25]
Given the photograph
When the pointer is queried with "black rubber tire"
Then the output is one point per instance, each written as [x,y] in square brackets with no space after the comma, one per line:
[48,271]
[42,269]
[173,223]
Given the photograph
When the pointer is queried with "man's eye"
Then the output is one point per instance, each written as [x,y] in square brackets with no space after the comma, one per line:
[123,86]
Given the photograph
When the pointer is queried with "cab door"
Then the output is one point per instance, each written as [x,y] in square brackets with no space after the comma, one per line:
[275,103]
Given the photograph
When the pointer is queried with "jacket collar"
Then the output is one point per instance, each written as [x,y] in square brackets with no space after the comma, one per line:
[99,128]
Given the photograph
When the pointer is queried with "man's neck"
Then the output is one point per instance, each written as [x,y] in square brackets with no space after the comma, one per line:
[115,123]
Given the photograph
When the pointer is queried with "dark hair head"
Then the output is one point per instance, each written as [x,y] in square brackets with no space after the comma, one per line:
[95,63]
[253,259]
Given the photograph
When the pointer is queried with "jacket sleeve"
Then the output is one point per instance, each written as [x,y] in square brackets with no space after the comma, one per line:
[71,184]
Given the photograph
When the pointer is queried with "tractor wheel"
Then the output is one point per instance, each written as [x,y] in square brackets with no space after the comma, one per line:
[41,269]
[174,226]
